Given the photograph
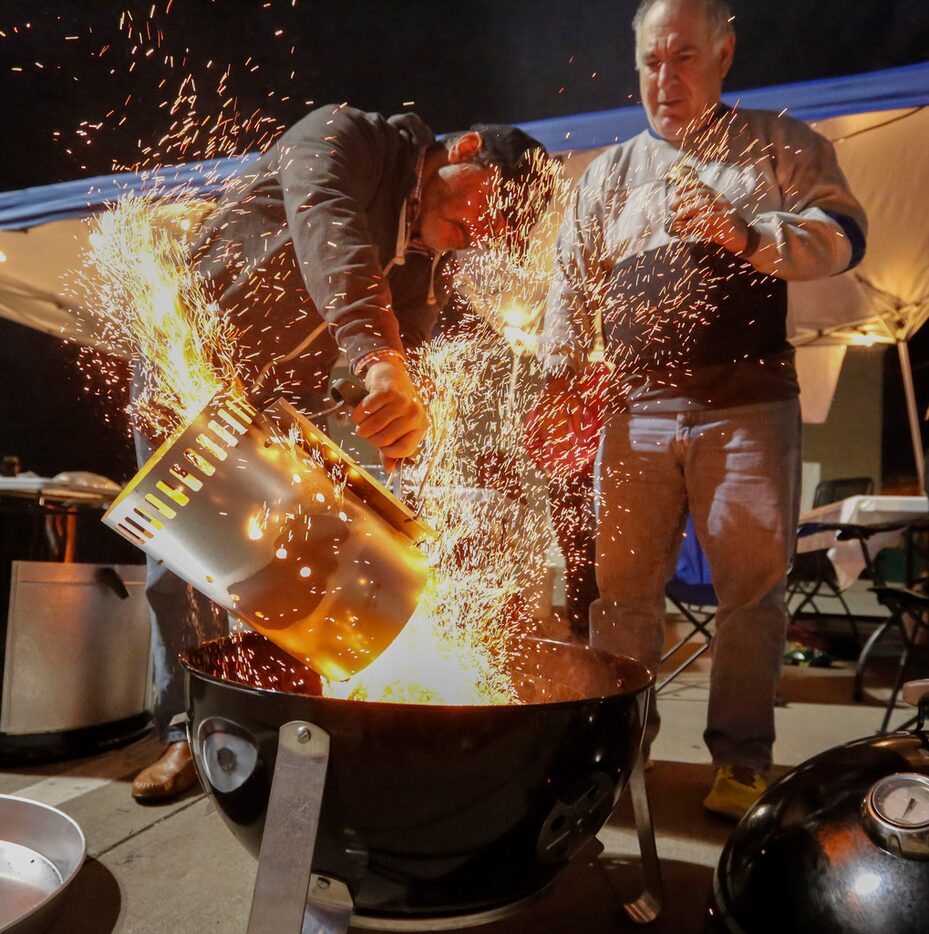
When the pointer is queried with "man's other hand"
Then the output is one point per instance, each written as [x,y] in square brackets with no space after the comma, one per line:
[391,416]
[561,430]
[700,213]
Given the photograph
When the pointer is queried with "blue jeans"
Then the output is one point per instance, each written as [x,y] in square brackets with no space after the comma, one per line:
[181,618]
[737,472]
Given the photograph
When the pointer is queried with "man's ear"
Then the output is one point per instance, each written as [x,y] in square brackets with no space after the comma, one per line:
[466,147]
[726,54]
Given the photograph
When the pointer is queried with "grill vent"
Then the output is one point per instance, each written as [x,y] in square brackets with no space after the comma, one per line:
[225,425]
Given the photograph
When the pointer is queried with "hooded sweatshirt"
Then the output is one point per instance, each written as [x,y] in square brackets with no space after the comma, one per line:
[317,231]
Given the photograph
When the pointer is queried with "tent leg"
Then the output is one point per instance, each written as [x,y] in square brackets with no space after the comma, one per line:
[915,433]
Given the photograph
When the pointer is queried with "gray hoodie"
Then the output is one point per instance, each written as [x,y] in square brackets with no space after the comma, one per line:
[317,230]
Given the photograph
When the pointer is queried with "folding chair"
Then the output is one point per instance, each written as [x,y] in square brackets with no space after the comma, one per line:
[813,577]
[811,574]
[908,605]
[832,491]
[909,613]
[691,591]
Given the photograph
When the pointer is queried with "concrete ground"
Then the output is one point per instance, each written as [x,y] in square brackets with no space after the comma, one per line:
[176,869]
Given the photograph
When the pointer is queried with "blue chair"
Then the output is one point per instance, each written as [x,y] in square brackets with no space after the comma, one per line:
[691,591]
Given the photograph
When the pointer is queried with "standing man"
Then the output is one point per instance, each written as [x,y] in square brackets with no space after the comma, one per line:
[330,243]
[676,255]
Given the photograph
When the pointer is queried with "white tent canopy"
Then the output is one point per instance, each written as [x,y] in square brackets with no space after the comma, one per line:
[886,298]
[877,120]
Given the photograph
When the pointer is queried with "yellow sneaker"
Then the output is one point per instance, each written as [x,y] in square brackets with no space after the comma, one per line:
[735,789]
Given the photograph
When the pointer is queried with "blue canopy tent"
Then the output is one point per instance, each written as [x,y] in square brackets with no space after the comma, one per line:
[891,89]
[878,120]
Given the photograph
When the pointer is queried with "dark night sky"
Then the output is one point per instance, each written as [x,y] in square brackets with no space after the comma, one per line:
[503,61]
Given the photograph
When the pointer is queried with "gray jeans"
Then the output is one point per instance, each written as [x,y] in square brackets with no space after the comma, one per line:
[736,471]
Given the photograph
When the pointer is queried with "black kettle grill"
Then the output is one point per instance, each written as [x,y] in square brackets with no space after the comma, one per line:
[408,817]
[840,845]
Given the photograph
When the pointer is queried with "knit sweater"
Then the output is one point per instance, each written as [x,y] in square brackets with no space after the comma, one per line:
[687,323]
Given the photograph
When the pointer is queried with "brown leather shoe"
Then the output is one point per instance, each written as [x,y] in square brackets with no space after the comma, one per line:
[170,776]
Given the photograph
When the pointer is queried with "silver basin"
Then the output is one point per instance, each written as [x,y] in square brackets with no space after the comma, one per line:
[41,851]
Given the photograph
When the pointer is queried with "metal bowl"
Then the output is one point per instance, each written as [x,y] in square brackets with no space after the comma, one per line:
[428,810]
[41,851]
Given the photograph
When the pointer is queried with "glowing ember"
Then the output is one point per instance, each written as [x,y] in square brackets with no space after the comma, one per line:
[493,533]
[507,280]
[452,651]
[430,664]
[490,546]
[152,306]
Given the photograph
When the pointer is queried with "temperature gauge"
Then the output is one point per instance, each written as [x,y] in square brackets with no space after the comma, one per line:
[896,813]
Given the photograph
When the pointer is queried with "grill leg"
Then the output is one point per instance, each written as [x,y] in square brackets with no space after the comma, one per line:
[328,907]
[284,901]
[647,906]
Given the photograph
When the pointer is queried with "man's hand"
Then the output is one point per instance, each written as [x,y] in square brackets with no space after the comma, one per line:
[563,404]
[391,416]
[700,213]
[561,430]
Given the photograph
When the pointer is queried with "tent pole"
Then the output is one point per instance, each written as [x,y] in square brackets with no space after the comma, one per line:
[915,433]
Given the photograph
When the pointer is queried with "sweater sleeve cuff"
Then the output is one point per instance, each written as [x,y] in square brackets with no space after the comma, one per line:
[377,356]
[752,242]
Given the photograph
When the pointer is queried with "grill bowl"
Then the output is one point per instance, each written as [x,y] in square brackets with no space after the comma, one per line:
[429,810]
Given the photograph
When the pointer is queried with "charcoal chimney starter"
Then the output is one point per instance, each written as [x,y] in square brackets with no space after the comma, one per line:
[265,515]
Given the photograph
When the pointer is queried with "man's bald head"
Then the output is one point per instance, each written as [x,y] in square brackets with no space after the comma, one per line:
[684,49]
[717,13]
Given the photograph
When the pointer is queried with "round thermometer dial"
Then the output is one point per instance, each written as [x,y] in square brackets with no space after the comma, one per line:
[896,811]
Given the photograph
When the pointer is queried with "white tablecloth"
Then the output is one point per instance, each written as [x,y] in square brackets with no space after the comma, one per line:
[859,510]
